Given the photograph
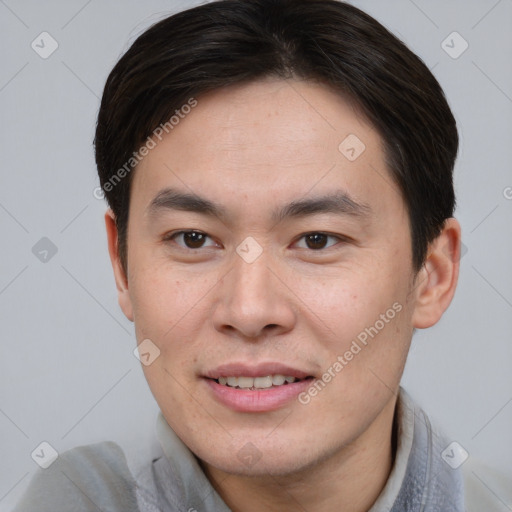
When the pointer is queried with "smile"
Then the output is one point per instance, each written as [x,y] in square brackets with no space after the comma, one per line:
[253,383]
[256,387]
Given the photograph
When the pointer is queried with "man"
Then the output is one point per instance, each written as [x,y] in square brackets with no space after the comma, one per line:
[279,176]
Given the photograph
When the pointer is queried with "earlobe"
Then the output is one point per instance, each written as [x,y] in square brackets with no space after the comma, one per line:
[437,280]
[119,274]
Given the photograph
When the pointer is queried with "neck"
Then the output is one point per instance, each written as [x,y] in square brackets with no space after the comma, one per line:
[351,479]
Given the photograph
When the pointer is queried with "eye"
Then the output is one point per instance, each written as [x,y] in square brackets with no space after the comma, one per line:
[190,239]
[317,241]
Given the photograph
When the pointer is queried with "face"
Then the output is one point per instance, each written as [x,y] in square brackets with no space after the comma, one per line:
[281,298]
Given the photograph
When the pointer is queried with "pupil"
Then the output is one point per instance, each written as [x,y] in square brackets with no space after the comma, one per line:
[316,241]
[193,239]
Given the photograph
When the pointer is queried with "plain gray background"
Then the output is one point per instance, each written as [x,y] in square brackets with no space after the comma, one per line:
[68,375]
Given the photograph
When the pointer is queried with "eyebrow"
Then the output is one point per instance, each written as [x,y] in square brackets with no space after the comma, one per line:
[338,202]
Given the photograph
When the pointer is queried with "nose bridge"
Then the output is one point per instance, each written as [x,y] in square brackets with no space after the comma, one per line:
[252,297]
[251,280]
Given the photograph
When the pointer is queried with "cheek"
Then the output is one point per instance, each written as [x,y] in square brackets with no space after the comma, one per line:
[364,319]
[347,305]
[161,297]
[171,309]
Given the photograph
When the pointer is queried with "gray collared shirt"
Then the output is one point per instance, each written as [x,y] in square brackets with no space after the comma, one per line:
[97,477]
[420,481]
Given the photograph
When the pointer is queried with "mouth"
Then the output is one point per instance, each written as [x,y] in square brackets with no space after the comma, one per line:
[254,383]
[259,388]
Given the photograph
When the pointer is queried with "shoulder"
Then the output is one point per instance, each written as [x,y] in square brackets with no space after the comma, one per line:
[85,478]
[486,488]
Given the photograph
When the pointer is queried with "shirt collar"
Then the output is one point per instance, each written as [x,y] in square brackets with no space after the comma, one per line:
[420,480]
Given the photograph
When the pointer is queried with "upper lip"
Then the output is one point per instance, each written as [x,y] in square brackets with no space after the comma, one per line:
[255,370]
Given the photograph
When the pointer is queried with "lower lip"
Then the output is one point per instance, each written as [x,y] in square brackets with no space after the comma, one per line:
[261,400]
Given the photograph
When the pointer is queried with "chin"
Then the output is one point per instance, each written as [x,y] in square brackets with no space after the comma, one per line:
[268,465]
[262,457]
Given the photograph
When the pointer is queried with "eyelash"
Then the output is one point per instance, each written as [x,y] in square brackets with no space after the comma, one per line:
[172,236]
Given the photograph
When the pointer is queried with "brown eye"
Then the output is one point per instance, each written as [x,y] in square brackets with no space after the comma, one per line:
[190,239]
[194,239]
[316,240]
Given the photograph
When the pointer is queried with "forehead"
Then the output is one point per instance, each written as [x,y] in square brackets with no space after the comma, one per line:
[255,144]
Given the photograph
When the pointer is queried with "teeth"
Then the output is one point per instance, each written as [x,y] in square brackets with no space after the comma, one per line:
[278,380]
[263,382]
[245,382]
[257,382]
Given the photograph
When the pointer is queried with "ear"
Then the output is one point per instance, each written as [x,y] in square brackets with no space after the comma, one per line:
[436,281]
[123,294]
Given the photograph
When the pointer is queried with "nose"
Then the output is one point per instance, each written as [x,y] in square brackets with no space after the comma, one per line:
[254,301]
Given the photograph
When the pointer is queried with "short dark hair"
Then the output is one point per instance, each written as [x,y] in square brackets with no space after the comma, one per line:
[228,42]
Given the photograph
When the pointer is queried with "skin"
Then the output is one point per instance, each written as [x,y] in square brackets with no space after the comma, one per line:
[253,148]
